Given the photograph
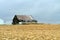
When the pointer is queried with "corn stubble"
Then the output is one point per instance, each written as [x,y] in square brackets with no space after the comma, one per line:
[30,32]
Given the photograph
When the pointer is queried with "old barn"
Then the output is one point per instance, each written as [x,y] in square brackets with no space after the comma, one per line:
[20,19]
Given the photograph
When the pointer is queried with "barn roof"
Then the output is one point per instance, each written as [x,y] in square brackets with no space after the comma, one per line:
[24,17]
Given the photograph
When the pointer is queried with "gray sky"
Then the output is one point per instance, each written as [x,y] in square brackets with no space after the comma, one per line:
[46,11]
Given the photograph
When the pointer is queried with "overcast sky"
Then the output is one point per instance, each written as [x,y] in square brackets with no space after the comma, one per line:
[46,11]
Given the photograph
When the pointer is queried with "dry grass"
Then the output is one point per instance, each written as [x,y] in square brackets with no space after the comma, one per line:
[30,32]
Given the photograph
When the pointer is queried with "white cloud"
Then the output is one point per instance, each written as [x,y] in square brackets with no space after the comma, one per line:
[1,21]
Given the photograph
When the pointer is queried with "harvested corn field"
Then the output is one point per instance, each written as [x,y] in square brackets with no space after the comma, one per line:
[30,32]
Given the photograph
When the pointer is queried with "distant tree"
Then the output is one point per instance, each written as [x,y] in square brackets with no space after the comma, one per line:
[34,21]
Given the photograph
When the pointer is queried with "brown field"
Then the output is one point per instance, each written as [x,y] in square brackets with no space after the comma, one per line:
[30,32]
